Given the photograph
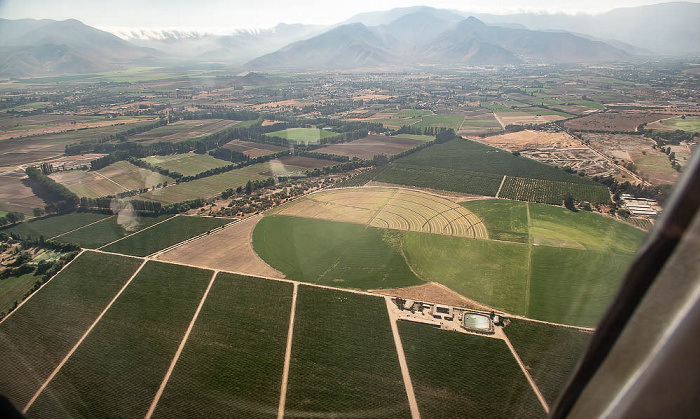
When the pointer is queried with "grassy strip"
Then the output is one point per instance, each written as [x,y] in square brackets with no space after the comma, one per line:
[333,253]
[458,375]
[164,235]
[232,363]
[118,368]
[504,220]
[549,352]
[344,361]
[53,226]
[488,271]
[35,338]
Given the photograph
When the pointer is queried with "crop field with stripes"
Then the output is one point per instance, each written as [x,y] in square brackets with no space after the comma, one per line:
[124,336]
[392,208]
[550,191]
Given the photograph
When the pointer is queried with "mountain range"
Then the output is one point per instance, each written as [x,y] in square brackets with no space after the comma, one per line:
[397,38]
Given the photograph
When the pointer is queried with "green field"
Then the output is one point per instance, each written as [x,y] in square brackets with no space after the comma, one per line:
[331,253]
[188,164]
[469,155]
[472,268]
[689,123]
[411,113]
[555,265]
[552,192]
[573,286]
[549,352]
[344,361]
[457,180]
[36,337]
[440,121]
[232,363]
[303,135]
[556,226]
[213,185]
[53,226]
[504,220]
[12,289]
[459,375]
[164,235]
[120,365]
[109,230]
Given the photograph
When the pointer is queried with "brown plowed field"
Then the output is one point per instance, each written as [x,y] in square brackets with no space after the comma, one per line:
[229,249]
[613,121]
[252,149]
[368,147]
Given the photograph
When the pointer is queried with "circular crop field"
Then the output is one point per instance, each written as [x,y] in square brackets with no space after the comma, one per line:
[393,208]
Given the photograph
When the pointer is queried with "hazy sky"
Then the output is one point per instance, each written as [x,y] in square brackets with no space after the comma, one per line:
[266,13]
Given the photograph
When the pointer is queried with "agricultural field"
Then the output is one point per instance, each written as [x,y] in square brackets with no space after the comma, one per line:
[343,357]
[303,135]
[461,375]
[15,195]
[688,123]
[613,121]
[475,157]
[183,130]
[456,180]
[164,235]
[551,192]
[527,139]
[121,176]
[13,288]
[117,369]
[479,124]
[573,286]
[110,229]
[332,253]
[368,147]
[505,220]
[494,273]
[399,209]
[549,352]
[52,226]
[40,147]
[213,185]
[233,360]
[38,125]
[227,249]
[252,149]
[188,164]
[35,338]
[440,121]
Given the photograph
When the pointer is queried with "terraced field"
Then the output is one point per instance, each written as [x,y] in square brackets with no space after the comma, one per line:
[393,208]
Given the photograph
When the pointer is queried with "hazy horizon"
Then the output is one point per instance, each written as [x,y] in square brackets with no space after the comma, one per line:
[222,16]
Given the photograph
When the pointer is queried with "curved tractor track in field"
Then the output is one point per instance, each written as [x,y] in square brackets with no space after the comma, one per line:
[393,208]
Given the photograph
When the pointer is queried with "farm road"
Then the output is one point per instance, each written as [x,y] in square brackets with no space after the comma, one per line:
[413,404]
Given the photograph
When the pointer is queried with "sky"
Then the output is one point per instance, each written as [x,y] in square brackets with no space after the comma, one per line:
[218,14]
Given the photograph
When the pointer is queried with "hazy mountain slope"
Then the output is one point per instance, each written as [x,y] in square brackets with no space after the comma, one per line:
[345,47]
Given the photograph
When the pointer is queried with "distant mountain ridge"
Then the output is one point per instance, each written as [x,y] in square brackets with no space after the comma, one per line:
[428,38]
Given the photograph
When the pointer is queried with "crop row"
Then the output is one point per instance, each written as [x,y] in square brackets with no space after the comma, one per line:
[551,192]
[464,181]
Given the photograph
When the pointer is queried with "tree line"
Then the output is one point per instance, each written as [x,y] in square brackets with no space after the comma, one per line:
[60,199]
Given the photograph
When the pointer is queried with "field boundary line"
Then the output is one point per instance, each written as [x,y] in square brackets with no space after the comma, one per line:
[82,338]
[288,353]
[191,239]
[369,223]
[38,289]
[176,357]
[137,232]
[121,186]
[536,389]
[570,326]
[81,227]
[501,186]
[530,240]
[408,385]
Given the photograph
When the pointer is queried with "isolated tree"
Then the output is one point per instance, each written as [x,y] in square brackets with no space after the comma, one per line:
[569,202]
[248,188]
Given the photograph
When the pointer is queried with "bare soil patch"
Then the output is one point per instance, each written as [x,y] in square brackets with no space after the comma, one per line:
[184,130]
[15,195]
[434,293]
[306,162]
[517,141]
[521,118]
[229,249]
[368,147]
[252,149]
